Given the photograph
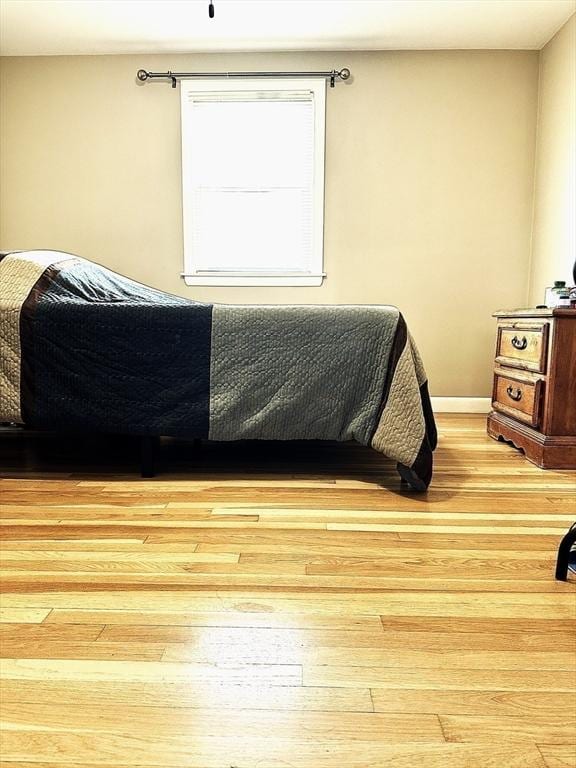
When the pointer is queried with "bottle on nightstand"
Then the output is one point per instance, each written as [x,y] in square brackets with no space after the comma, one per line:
[554,292]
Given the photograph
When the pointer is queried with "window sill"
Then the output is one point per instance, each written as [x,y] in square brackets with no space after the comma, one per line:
[254,280]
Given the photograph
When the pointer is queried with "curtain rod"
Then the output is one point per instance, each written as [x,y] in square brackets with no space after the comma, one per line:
[334,74]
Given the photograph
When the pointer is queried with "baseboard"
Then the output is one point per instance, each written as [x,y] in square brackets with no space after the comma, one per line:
[461,404]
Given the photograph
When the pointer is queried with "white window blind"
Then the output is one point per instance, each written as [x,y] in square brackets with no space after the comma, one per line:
[253,181]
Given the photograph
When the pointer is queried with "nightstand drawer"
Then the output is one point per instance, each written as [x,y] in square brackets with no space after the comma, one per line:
[522,345]
[517,397]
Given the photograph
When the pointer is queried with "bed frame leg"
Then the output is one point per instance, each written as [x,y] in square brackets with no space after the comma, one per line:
[148,446]
[564,554]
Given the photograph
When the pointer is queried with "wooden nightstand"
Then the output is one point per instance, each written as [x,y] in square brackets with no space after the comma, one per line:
[534,393]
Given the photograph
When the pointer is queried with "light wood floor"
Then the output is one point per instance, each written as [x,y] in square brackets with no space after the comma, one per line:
[269,606]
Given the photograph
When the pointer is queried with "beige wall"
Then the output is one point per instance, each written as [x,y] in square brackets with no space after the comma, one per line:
[554,234]
[429,182]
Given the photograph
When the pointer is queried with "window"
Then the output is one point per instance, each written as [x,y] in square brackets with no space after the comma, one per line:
[253,181]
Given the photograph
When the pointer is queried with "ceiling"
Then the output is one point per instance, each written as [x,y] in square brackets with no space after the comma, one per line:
[52,27]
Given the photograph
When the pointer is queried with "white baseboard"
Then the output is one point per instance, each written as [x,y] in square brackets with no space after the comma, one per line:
[461,404]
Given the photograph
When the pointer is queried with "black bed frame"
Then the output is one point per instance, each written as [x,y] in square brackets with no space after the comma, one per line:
[148,450]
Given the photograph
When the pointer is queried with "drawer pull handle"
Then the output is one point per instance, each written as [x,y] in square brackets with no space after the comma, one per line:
[519,343]
[514,395]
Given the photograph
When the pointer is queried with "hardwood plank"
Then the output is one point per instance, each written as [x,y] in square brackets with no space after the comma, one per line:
[23,546]
[154,672]
[26,560]
[15,569]
[15,615]
[517,530]
[200,724]
[479,641]
[318,655]
[520,626]
[253,752]
[45,632]
[558,729]
[461,517]
[379,555]
[324,637]
[334,549]
[58,649]
[558,755]
[424,565]
[246,636]
[460,605]
[195,695]
[184,618]
[466,702]
[342,542]
[440,678]
[229,578]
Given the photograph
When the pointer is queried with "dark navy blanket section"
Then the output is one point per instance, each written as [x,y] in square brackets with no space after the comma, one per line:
[116,356]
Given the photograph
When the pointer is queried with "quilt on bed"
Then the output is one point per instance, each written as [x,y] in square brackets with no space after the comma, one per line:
[83,348]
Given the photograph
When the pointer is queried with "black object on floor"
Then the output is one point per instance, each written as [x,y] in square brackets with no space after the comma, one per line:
[566,557]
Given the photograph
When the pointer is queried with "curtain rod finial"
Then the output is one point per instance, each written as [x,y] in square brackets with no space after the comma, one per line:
[142,75]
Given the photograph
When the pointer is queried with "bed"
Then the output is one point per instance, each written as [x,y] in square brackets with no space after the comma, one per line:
[86,349]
